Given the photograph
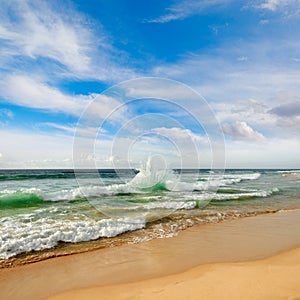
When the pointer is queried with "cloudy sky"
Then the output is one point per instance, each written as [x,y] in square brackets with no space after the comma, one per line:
[57,57]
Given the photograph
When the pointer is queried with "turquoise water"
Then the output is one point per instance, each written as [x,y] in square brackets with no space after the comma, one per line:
[41,208]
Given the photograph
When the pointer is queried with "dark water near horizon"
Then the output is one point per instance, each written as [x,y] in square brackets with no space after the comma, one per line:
[40,209]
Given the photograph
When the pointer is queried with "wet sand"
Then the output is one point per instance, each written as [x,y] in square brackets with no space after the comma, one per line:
[192,260]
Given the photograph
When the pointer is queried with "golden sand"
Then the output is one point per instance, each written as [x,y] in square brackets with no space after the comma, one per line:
[209,260]
[277,277]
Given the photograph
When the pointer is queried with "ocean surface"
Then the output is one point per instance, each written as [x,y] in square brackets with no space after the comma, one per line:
[46,213]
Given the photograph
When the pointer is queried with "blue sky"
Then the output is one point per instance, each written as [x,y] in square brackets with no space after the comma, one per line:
[56,57]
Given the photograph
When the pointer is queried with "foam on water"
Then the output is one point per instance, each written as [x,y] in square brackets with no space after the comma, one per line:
[45,213]
[154,176]
[146,181]
[225,196]
[171,205]
[288,171]
[19,236]
[189,200]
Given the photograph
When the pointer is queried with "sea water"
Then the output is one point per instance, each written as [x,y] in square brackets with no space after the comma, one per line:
[42,209]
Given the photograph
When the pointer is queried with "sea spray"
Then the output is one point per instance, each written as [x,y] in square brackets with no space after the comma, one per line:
[154,175]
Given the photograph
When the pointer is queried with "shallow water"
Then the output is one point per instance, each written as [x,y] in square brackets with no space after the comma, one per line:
[47,210]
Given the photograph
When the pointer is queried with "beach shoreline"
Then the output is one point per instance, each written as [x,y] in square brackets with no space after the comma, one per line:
[275,277]
[236,241]
[129,237]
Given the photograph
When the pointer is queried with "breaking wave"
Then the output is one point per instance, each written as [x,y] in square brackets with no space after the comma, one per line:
[21,237]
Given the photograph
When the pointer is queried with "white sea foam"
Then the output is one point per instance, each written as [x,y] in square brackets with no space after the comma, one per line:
[151,175]
[18,237]
[213,183]
[35,191]
[191,200]
[225,196]
[247,176]
[91,191]
[147,178]
[174,205]
[75,193]
[289,171]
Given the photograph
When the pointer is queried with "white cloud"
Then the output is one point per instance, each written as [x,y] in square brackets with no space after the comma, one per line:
[270,4]
[243,58]
[87,132]
[25,91]
[251,110]
[231,78]
[287,114]
[159,89]
[264,21]
[282,119]
[245,91]
[70,129]
[242,131]
[286,7]
[273,153]
[186,8]
[178,134]
[25,149]
[219,77]
[70,43]
[35,29]
[35,150]
[28,92]
[6,113]
[6,116]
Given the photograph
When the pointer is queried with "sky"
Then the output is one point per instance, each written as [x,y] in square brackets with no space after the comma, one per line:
[60,60]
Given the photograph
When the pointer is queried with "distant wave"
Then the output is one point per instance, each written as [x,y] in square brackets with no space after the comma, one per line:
[288,171]
[63,175]
[18,177]
[147,181]
[34,198]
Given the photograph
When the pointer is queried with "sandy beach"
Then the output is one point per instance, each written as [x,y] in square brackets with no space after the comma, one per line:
[272,278]
[150,150]
[253,258]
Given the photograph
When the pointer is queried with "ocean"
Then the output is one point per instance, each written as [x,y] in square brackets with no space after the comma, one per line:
[46,213]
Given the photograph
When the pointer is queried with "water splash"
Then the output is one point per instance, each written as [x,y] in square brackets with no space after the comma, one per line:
[155,175]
